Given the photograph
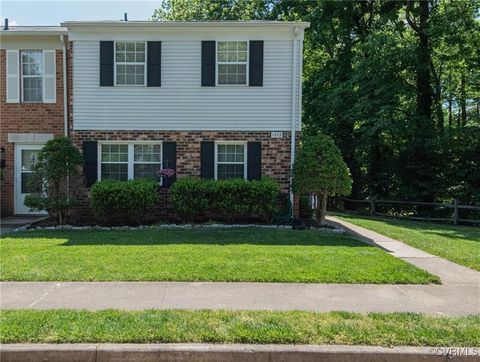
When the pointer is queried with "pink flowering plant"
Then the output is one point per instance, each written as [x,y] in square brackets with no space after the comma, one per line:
[166,172]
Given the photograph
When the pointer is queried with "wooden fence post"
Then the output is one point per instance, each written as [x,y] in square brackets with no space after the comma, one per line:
[372,206]
[455,211]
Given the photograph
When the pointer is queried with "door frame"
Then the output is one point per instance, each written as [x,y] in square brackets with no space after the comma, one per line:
[17,173]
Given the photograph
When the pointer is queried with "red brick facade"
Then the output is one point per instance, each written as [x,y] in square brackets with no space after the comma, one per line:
[275,151]
[25,118]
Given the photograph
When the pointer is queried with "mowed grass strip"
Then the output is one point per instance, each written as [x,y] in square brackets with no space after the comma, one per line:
[460,244]
[176,326]
[242,254]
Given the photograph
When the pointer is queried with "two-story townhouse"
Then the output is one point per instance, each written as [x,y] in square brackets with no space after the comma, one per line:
[32,104]
[209,99]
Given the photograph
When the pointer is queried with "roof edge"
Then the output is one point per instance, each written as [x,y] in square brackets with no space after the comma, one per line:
[173,24]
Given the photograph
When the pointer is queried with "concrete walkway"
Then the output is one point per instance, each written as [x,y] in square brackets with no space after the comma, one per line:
[429,299]
[459,293]
[10,223]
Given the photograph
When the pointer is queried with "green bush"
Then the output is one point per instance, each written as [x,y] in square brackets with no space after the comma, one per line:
[319,168]
[190,197]
[115,202]
[228,200]
[52,180]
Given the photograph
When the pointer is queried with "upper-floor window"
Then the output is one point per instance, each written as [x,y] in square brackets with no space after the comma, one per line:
[232,59]
[130,63]
[32,75]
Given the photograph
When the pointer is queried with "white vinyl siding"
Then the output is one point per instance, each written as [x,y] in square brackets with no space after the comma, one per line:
[182,103]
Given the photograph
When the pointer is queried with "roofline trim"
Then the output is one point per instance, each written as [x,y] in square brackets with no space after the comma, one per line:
[180,24]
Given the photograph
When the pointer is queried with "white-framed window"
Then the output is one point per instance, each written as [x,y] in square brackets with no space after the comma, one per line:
[130,60]
[230,160]
[32,76]
[129,160]
[232,62]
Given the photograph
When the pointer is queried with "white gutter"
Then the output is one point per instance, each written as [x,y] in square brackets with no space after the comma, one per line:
[295,90]
[65,85]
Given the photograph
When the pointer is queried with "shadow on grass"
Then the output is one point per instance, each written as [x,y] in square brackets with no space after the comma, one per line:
[471,233]
[195,236]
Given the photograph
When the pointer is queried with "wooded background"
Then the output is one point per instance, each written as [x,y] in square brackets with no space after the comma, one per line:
[396,84]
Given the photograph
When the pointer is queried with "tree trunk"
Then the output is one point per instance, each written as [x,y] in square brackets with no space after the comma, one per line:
[450,116]
[463,101]
[322,209]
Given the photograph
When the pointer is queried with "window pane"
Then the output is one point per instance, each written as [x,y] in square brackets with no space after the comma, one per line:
[120,46]
[242,45]
[32,89]
[147,153]
[222,45]
[232,46]
[222,56]
[115,171]
[29,158]
[230,171]
[130,47]
[230,153]
[140,57]
[120,56]
[114,153]
[130,57]
[222,79]
[242,56]
[120,78]
[142,170]
[140,46]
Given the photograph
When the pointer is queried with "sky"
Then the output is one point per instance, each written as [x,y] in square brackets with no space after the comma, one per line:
[39,12]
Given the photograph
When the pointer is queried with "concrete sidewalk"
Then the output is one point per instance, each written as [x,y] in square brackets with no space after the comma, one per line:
[428,299]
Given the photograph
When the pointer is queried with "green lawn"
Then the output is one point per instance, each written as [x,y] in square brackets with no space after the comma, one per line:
[242,254]
[460,244]
[176,326]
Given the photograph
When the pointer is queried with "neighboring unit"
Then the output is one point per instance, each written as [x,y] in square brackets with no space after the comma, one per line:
[32,104]
[208,99]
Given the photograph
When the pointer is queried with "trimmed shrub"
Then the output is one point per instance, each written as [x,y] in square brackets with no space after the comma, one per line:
[230,200]
[190,197]
[115,202]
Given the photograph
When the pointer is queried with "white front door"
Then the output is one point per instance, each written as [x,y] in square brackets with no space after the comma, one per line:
[25,157]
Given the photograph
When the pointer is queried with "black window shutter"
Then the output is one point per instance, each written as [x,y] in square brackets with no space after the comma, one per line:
[254,160]
[106,63]
[90,156]
[208,63]
[154,63]
[255,77]
[207,155]
[169,161]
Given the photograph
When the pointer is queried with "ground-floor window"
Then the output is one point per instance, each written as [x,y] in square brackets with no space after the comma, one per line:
[126,161]
[230,160]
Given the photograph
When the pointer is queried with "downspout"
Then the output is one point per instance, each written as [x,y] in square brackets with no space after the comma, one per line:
[295,91]
[65,86]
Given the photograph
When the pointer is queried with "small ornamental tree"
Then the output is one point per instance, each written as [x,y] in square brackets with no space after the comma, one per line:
[59,161]
[319,168]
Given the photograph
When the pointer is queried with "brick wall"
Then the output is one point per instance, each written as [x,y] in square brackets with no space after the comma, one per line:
[275,152]
[25,118]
